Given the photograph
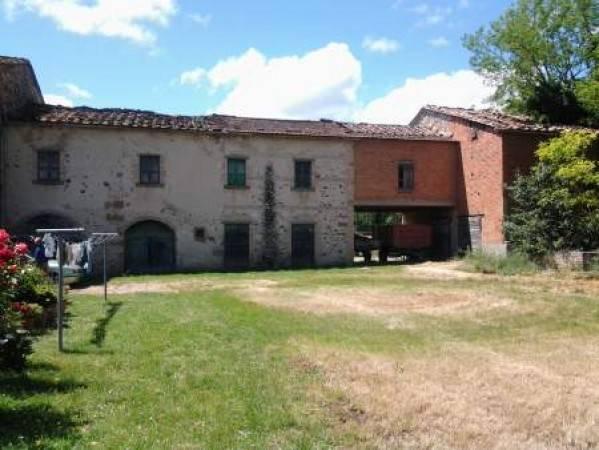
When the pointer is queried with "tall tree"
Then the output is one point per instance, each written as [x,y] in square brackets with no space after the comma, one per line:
[543,58]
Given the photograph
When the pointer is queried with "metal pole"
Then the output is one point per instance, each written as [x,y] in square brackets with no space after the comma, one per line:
[105,280]
[60,311]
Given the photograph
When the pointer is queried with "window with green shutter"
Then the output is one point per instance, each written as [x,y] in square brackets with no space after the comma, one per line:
[236,172]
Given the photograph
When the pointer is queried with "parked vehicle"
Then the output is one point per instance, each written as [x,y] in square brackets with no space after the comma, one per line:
[71,274]
[364,245]
[412,241]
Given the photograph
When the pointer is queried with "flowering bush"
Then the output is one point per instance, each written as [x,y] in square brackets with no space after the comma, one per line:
[26,303]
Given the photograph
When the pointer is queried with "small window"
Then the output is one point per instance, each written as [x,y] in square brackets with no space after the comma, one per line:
[406,176]
[303,175]
[199,234]
[236,174]
[149,169]
[48,166]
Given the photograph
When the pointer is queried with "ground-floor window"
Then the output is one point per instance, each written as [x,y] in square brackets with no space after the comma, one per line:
[237,245]
[302,245]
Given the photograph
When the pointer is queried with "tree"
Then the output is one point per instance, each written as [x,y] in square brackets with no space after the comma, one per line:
[542,56]
[556,206]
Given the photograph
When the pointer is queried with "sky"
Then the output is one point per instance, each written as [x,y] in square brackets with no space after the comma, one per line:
[375,61]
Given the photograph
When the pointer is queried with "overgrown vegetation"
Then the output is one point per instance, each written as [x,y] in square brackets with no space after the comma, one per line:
[556,206]
[543,57]
[510,264]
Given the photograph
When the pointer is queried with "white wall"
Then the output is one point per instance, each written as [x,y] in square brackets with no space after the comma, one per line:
[100,192]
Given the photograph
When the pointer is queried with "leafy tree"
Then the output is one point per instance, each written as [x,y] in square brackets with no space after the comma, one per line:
[556,206]
[542,56]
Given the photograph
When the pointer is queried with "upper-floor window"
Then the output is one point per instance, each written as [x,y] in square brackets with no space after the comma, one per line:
[303,174]
[406,176]
[149,169]
[48,166]
[236,172]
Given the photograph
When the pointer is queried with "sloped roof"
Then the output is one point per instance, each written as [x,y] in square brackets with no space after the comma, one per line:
[221,124]
[495,119]
[13,60]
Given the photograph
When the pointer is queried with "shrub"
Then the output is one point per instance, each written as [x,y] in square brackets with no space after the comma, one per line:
[511,264]
[556,206]
[25,300]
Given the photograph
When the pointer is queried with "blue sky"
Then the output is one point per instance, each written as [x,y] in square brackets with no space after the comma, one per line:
[376,60]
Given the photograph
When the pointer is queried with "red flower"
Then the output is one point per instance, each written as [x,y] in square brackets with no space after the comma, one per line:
[21,248]
[12,268]
[6,252]
[4,236]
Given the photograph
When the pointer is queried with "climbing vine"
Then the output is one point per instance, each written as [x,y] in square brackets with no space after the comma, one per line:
[270,253]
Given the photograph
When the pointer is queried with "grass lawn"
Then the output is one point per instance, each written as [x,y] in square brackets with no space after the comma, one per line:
[356,358]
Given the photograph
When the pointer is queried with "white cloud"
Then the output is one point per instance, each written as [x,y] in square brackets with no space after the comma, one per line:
[463,88]
[432,15]
[54,99]
[75,91]
[192,77]
[320,83]
[380,45]
[463,3]
[439,42]
[201,19]
[130,19]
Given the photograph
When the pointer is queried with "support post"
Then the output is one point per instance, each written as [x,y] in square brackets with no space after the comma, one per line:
[105,278]
[60,309]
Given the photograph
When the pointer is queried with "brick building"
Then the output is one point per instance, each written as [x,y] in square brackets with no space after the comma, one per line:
[493,148]
[212,192]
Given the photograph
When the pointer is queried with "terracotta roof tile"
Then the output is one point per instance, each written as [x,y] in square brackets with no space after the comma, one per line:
[497,120]
[221,124]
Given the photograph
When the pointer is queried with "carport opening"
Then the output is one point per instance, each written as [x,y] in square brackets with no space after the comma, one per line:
[402,235]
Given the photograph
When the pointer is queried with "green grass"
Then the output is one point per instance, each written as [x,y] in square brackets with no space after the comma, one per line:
[511,264]
[208,370]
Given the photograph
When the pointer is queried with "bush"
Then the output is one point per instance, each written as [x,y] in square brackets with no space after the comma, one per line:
[26,302]
[511,264]
[556,206]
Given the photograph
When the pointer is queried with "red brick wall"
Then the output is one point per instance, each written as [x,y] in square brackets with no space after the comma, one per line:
[519,153]
[376,171]
[480,174]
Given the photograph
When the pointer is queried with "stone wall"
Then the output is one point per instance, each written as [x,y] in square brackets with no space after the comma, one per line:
[99,188]
[18,87]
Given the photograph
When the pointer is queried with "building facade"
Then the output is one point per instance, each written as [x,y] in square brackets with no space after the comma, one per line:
[224,192]
[493,149]
[185,200]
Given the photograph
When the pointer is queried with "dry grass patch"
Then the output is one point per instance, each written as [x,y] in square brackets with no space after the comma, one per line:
[540,397]
[378,302]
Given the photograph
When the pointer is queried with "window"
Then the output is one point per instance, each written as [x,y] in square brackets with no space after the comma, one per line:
[149,169]
[303,174]
[48,166]
[302,245]
[236,172]
[406,176]
[237,245]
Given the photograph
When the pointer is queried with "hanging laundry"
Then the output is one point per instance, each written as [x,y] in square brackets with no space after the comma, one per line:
[49,245]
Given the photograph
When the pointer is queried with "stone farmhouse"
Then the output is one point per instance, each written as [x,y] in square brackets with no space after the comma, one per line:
[223,192]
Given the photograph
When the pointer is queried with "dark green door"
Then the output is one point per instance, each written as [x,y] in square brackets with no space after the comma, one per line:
[302,245]
[237,246]
[150,248]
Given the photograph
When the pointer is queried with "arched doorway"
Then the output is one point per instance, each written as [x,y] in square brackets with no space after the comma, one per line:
[149,248]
